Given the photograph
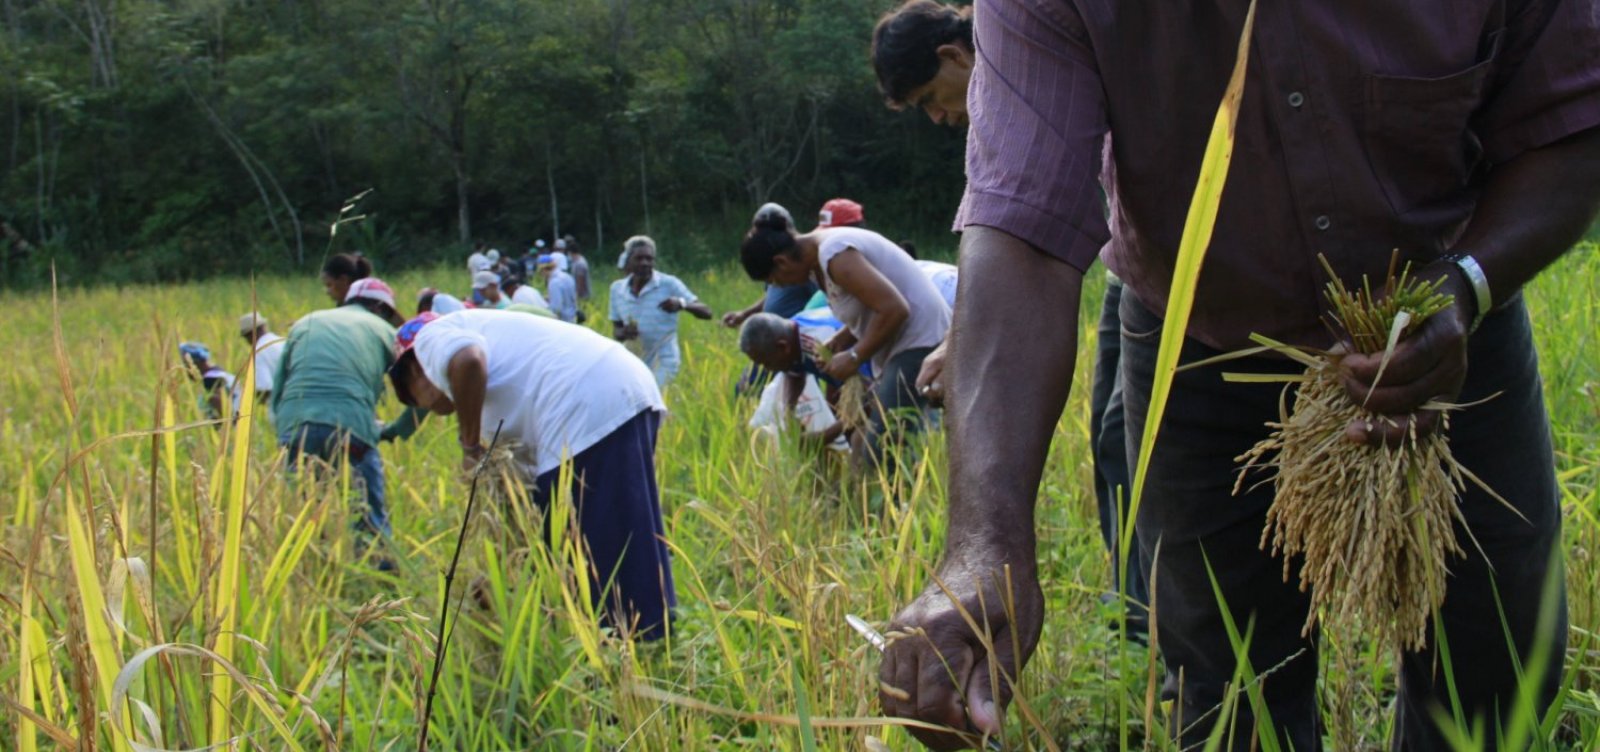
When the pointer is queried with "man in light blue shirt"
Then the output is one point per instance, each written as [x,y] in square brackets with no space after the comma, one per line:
[644,310]
[560,290]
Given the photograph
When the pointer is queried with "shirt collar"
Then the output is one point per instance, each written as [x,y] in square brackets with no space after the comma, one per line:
[655,280]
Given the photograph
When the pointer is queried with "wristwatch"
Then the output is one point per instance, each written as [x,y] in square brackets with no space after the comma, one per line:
[1480,286]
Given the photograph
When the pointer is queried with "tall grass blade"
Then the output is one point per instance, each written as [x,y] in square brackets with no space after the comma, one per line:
[228,596]
[92,602]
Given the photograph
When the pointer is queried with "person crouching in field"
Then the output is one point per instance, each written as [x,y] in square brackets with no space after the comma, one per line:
[216,384]
[893,315]
[558,392]
[645,306]
[792,348]
[324,403]
[266,349]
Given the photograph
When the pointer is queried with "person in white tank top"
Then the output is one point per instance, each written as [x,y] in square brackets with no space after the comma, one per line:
[893,315]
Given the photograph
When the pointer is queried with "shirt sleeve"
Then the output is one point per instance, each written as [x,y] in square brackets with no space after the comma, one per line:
[435,347]
[682,290]
[1547,84]
[1038,120]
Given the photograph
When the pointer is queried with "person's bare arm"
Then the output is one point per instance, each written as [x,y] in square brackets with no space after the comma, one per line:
[1009,377]
[1534,208]
[793,386]
[699,310]
[468,373]
[732,319]
[852,272]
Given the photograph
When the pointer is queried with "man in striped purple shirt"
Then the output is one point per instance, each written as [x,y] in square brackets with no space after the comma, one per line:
[1466,134]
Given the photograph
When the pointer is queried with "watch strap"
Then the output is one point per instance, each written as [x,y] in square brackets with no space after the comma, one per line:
[1473,271]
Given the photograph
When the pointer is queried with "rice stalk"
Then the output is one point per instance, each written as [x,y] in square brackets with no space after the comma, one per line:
[27,732]
[1370,526]
[228,596]
[96,634]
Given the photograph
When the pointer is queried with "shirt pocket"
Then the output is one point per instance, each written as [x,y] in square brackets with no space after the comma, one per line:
[1417,137]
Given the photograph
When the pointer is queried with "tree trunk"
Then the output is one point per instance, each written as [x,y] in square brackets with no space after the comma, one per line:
[102,52]
[644,187]
[555,204]
[599,226]
[463,208]
[15,24]
[39,199]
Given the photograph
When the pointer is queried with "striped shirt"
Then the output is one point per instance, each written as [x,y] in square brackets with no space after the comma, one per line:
[658,330]
[1366,125]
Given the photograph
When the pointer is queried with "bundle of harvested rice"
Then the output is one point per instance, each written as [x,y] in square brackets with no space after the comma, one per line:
[853,396]
[1372,524]
[507,508]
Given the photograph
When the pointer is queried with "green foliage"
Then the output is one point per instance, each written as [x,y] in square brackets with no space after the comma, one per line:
[204,138]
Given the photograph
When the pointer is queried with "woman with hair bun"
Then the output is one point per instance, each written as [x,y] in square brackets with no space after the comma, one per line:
[893,315]
[342,270]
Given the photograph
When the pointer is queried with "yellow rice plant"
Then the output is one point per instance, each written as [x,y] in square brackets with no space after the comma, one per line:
[1372,526]
[228,597]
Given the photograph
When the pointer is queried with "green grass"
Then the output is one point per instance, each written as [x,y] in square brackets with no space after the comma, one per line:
[772,550]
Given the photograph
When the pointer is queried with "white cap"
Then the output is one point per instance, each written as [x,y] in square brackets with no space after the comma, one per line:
[493,254]
[561,245]
[251,321]
[444,303]
[484,279]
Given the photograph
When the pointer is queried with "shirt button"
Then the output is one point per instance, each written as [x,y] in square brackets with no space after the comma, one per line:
[1323,222]
[1296,99]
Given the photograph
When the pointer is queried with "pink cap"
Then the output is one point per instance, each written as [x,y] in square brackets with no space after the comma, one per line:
[370,288]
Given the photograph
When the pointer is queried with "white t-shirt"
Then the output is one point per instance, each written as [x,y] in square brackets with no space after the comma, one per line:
[269,350]
[559,388]
[529,295]
[562,261]
[943,277]
[930,315]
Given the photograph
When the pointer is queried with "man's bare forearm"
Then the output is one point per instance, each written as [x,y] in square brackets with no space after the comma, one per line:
[1010,368]
[1533,209]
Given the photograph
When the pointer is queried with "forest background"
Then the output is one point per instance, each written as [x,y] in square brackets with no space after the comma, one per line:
[160,140]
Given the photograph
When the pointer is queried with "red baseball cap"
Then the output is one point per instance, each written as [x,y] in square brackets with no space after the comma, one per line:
[840,212]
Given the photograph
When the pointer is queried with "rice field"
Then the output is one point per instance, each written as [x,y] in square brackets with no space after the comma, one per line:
[167,587]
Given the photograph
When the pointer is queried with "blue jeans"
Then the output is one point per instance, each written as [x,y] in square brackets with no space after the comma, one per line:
[330,443]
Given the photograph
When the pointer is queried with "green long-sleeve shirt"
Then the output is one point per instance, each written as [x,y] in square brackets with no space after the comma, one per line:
[332,372]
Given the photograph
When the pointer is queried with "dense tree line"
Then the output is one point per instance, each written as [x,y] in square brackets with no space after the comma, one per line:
[157,140]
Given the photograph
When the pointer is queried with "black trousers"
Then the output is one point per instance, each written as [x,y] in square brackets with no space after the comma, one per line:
[1189,509]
